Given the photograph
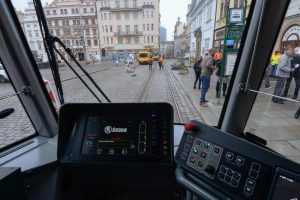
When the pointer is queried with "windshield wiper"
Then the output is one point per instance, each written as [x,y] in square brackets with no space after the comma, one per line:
[49,42]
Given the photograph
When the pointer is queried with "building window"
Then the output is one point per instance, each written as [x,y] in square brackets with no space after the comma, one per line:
[151,14]
[86,21]
[93,21]
[135,15]
[89,43]
[147,14]
[148,27]
[209,10]
[103,29]
[127,16]
[84,10]
[125,3]
[148,39]
[117,4]
[110,28]
[106,29]
[136,28]
[236,3]
[127,40]
[56,22]
[92,10]
[65,22]
[112,40]
[54,12]
[119,28]
[136,39]
[87,31]
[152,27]
[61,11]
[73,10]
[66,12]
[118,16]
[95,42]
[221,10]
[120,40]
[101,16]
[109,16]
[135,3]
[105,18]
[48,22]
[29,33]
[143,15]
[76,10]
[242,3]
[94,31]
[127,28]
[102,4]
[39,45]
[144,27]
[57,32]
[107,39]
[48,12]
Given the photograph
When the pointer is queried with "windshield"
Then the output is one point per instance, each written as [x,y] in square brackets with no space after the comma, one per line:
[102,34]
[143,55]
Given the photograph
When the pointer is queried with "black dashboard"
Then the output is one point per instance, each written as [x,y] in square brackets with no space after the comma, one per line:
[233,168]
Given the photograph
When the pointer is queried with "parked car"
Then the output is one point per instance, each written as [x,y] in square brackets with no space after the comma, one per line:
[3,75]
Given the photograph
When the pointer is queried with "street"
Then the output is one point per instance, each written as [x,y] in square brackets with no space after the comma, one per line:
[273,122]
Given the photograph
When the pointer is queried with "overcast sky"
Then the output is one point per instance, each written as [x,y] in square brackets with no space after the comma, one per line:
[170,10]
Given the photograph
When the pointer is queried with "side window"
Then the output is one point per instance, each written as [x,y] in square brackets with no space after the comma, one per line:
[17,126]
[275,114]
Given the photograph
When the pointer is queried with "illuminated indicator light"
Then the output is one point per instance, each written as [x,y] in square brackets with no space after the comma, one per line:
[190,127]
[165,147]
[165,142]
[195,151]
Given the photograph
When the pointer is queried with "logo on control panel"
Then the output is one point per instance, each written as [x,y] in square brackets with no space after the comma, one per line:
[109,129]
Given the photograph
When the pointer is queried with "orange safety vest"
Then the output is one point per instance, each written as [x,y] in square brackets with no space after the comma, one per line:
[218,56]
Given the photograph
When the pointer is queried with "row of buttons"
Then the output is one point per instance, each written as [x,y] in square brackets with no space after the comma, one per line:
[239,160]
[248,189]
[254,171]
[229,176]
[186,147]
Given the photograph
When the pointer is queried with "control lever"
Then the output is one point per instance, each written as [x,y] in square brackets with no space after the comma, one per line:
[6,112]
[210,170]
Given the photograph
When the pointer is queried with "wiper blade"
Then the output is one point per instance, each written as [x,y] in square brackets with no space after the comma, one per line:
[50,40]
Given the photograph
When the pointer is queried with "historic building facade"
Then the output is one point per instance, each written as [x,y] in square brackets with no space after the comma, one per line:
[128,26]
[75,23]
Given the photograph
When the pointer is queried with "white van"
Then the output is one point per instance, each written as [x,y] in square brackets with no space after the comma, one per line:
[3,76]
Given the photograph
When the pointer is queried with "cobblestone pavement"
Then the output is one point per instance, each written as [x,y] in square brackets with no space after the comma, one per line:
[273,122]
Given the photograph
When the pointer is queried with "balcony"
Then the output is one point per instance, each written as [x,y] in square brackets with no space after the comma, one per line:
[148,6]
[128,33]
[122,9]
[105,8]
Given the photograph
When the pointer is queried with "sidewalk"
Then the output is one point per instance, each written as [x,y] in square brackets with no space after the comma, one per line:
[273,122]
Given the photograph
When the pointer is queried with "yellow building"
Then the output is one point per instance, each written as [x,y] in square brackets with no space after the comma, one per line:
[221,13]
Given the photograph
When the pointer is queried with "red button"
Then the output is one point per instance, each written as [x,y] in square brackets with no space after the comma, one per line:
[189,126]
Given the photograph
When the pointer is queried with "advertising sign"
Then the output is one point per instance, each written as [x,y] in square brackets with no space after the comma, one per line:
[230,62]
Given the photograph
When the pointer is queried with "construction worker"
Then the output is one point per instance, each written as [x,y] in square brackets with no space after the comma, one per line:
[274,62]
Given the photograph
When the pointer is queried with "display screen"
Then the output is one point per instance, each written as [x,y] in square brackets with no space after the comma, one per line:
[125,135]
[286,188]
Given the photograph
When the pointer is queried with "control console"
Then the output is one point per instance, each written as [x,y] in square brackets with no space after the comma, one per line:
[229,164]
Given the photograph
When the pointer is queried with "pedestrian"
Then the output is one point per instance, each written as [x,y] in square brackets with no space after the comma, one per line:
[208,67]
[150,62]
[267,79]
[282,73]
[160,61]
[274,61]
[295,62]
[225,80]
[197,70]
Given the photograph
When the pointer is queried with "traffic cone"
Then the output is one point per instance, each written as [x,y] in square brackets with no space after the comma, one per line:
[51,94]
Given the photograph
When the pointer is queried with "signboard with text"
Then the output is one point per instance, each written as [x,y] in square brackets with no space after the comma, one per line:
[236,15]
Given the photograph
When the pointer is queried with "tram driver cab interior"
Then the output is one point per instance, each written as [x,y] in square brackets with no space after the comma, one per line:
[134,151]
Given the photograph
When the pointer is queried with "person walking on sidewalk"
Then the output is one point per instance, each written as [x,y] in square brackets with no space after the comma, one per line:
[208,67]
[150,62]
[197,70]
[295,62]
[283,72]
[160,61]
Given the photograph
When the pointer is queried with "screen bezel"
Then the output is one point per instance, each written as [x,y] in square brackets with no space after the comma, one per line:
[80,113]
[284,172]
